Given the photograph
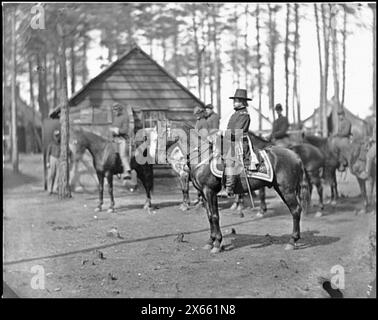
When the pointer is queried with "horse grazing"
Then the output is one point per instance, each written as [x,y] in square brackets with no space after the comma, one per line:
[107,162]
[289,181]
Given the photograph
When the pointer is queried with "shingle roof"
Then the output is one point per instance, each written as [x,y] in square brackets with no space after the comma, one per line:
[137,78]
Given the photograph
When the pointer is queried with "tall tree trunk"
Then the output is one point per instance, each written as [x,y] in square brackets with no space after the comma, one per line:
[197,50]
[344,56]
[271,59]
[73,63]
[14,141]
[63,178]
[42,90]
[32,104]
[210,58]
[175,51]
[322,112]
[335,64]
[246,49]
[217,62]
[287,59]
[84,60]
[259,74]
[296,63]
[55,82]
[326,31]
[164,47]
[374,34]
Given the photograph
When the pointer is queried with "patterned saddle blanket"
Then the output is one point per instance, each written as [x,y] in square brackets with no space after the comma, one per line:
[264,170]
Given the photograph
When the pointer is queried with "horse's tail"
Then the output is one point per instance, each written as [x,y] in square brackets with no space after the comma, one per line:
[304,190]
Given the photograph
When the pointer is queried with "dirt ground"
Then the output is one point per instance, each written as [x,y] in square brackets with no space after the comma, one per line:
[80,259]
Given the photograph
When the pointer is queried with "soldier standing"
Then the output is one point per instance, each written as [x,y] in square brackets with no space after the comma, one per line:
[53,154]
[120,129]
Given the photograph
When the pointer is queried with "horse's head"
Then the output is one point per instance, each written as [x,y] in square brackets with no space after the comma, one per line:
[78,144]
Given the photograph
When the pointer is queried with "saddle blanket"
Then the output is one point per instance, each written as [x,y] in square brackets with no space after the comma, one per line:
[264,170]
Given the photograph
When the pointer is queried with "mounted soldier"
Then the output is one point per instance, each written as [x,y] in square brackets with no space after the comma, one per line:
[279,134]
[238,124]
[120,129]
[212,119]
[341,139]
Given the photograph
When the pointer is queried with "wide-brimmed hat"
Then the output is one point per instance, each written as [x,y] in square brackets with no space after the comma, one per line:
[209,106]
[240,94]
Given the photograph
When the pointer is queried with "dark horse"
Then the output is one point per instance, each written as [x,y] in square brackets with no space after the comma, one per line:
[331,163]
[107,162]
[289,182]
[313,161]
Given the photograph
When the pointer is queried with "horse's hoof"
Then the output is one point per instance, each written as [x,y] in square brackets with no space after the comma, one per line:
[111,210]
[233,207]
[97,209]
[289,247]
[333,202]
[150,211]
[318,214]
[215,250]
[147,206]
[240,208]
[207,247]
[241,215]
[259,215]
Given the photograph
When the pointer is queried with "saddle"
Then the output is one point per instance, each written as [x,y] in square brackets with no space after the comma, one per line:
[264,169]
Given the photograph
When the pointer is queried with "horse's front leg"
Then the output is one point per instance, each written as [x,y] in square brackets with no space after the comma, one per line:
[334,192]
[211,202]
[148,204]
[100,176]
[109,177]
[184,182]
[362,184]
[263,207]
[319,188]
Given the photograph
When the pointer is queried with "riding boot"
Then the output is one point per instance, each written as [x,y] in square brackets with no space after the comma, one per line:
[230,181]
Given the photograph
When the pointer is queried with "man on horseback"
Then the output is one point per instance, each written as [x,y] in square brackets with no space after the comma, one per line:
[341,138]
[279,131]
[212,119]
[121,129]
[240,121]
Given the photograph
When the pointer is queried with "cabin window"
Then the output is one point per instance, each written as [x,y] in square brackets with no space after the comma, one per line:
[151,118]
